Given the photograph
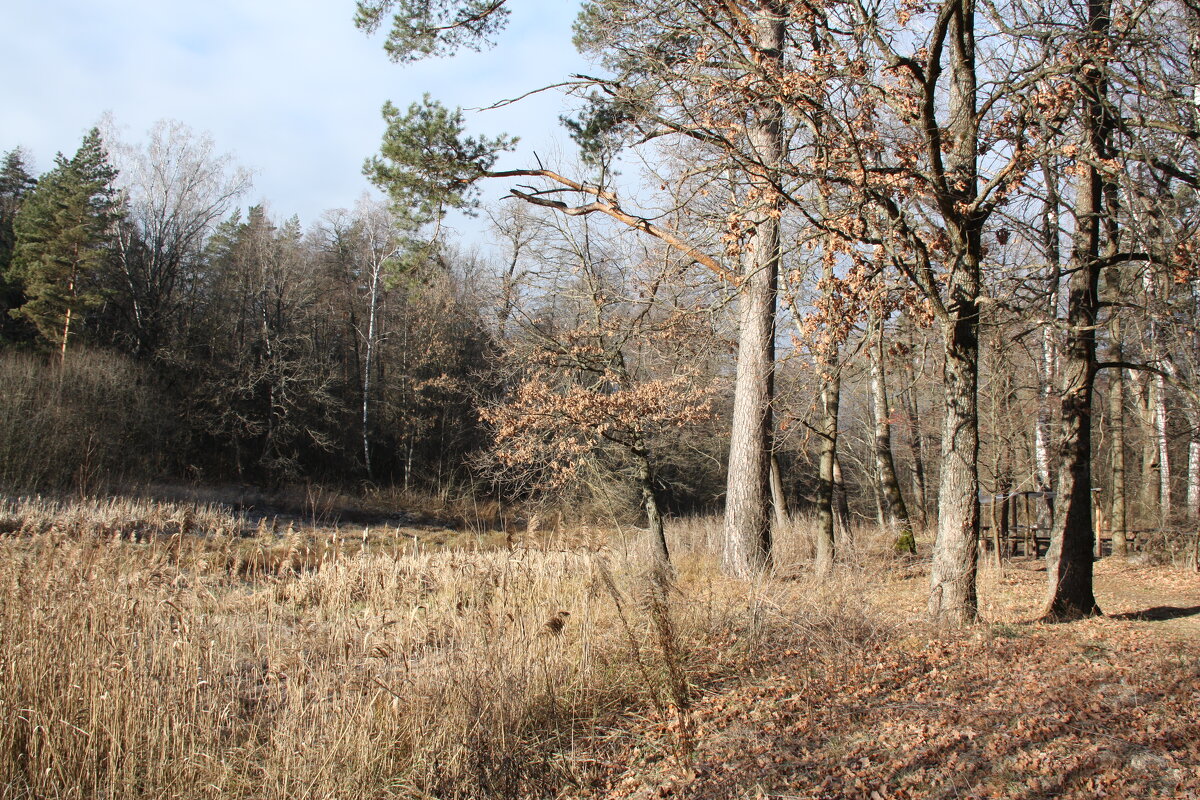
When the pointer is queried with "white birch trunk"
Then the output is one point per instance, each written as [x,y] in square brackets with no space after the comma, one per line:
[1164,458]
[1193,478]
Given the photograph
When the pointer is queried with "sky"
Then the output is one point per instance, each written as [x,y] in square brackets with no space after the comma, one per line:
[290,88]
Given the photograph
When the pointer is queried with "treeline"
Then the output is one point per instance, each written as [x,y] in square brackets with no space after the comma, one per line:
[887,264]
[151,330]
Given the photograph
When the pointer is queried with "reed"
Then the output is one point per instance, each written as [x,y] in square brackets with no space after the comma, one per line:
[147,651]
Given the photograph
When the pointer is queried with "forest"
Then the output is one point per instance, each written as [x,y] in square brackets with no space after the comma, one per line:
[856,345]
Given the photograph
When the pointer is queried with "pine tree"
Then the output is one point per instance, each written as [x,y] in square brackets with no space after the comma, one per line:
[62,236]
[16,183]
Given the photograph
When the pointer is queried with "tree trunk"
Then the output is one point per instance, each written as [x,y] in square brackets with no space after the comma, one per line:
[1164,456]
[917,445]
[778,497]
[1048,361]
[841,498]
[1193,412]
[952,598]
[1072,538]
[1001,482]
[1116,424]
[952,595]
[893,501]
[999,520]
[62,354]
[1069,560]
[827,478]
[654,521]
[747,541]
[1193,479]
[367,366]
[1151,477]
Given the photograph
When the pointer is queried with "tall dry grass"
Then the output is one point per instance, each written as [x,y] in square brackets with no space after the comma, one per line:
[116,517]
[139,663]
[94,420]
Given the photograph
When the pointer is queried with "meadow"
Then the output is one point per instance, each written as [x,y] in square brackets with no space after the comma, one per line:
[175,650]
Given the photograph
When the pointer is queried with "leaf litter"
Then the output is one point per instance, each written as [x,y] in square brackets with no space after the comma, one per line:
[1011,708]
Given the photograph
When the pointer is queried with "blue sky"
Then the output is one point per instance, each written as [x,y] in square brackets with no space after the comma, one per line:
[290,87]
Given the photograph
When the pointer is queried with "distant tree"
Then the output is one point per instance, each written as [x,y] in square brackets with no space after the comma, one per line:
[176,189]
[16,182]
[264,389]
[63,237]
[369,250]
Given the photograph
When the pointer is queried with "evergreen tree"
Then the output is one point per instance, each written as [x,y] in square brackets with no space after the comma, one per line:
[62,237]
[15,183]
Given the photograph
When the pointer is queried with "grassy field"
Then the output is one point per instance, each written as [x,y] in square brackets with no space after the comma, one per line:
[154,650]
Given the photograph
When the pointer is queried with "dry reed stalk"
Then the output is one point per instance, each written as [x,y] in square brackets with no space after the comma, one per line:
[198,666]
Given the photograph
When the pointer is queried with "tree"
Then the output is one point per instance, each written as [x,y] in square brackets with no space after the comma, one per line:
[1069,562]
[16,182]
[657,51]
[63,238]
[369,245]
[176,189]
[602,367]
[421,28]
[262,385]
[896,509]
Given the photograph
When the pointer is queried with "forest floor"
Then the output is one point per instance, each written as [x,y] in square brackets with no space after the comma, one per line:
[1013,708]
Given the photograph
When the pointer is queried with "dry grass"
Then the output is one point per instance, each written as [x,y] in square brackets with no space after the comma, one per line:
[116,517]
[148,651]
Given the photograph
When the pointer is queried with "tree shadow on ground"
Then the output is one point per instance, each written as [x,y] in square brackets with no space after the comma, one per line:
[1158,614]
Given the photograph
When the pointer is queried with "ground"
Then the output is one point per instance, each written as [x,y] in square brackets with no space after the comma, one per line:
[189,651]
[1107,707]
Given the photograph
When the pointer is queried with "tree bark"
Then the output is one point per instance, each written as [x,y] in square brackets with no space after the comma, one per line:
[747,540]
[841,498]
[62,353]
[1116,423]
[778,497]
[1048,361]
[1000,523]
[1193,480]
[658,536]
[827,477]
[368,365]
[1151,477]
[952,595]
[952,599]
[917,445]
[1072,539]
[895,508]
[1164,454]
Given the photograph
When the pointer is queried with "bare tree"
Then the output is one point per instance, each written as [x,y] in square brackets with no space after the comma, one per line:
[176,188]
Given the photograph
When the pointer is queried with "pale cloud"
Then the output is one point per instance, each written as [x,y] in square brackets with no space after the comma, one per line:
[290,87]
